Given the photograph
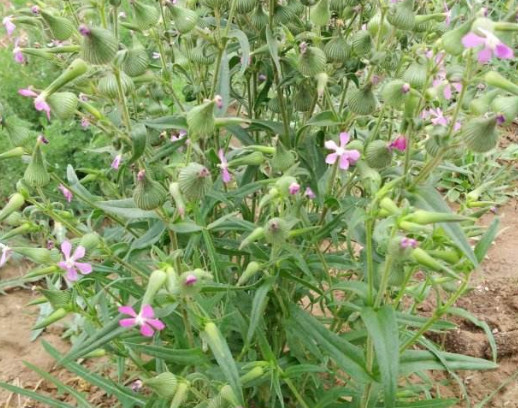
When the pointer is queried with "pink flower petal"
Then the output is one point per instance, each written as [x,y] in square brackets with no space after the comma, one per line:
[331,158]
[66,247]
[457,86]
[27,92]
[331,145]
[9,25]
[447,92]
[18,57]
[127,310]
[72,274]
[147,312]
[84,268]
[146,330]
[344,138]
[156,324]
[352,155]
[41,105]
[472,40]
[221,155]
[127,322]
[63,265]
[225,175]
[344,162]
[503,51]
[79,253]
[485,55]
[116,162]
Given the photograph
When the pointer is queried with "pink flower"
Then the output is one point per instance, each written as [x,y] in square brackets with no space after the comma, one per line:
[218,99]
[17,52]
[70,264]
[190,280]
[181,134]
[9,25]
[116,162]
[346,157]
[66,192]
[85,122]
[309,193]
[399,144]
[294,188]
[491,43]
[449,87]
[437,116]
[6,254]
[145,319]
[39,100]
[408,243]
[225,174]
[447,13]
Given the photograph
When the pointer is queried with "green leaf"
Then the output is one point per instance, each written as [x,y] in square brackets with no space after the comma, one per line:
[185,227]
[436,403]
[184,357]
[420,360]
[125,208]
[427,198]
[139,142]
[35,396]
[76,186]
[383,330]
[347,356]
[258,306]
[326,118]
[124,395]
[167,122]
[241,37]
[151,236]
[487,239]
[219,347]
[62,387]
[274,50]
[480,323]
[223,84]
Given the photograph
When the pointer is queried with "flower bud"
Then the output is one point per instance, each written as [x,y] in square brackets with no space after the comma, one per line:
[108,85]
[256,234]
[362,100]
[374,26]
[14,204]
[312,60]
[450,256]
[396,92]
[370,177]
[493,78]
[57,298]
[60,27]
[401,15]
[252,375]
[320,13]
[200,120]
[245,6]
[378,154]
[389,205]
[480,134]
[17,130]
[144,15]
[482,105]
[164,384]
[176,194]
[422,217]
[194,181]
[252,159]
[90,241]
[99,46]
[362,43]
[337,50]
[185,20]
[251,269]
[157,279]
[276,231]
[63,104]
[424,258]
[148,194]
[36,173]
[259,19]
[452,40]
[228,394]
[38,255]
[77,68]
[182,391]
[135,60]
[507,106]
[284,183]
[52,318]
[9,154]
[416,75]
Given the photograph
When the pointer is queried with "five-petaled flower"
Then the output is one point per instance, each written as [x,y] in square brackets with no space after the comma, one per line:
[9,25]
[66,192]
[493,46]
[145,319]
[39,100]
[6,254]
[225,174]
[345,157]
[70,264]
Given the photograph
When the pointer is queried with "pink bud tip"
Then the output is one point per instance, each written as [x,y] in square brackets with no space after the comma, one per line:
[190,280]
[405,88]
[408,243]
[84,30]
[43,139]
[141,174]
[303,47]
[219,101]
[294,188]
[35,10]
